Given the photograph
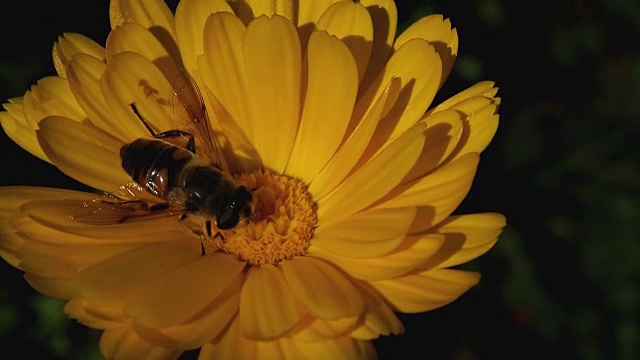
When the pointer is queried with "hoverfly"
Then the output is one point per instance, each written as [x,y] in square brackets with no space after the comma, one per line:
[166,165]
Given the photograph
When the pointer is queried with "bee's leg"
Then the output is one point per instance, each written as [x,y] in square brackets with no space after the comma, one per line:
[197,232]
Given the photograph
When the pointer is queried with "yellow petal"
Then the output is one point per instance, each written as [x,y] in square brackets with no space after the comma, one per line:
[322,127]
[420,69]
[469,236]
[309,12]
[97,165]
[124,343]
[481,89]
[324,291]
[273,62]
[84,73]
[148,13]
[442,134]
[15,125]
[413,252]
[191,16]
[438,32]
[374,179]
[248,10]
[204,327]
[365,234]
[223,68]
[379,319]
[442,190]
[427,290]
[109,281]
[94,315]
[132,79]
[52,96]
[481,124]
[179,294]
[342,348]
[135,38]
[351,149]
[322,330]
[70,44]
[351,23]
[268,309]
[384,16]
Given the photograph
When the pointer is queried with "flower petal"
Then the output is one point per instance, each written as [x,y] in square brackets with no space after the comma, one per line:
[438,32]
[420,69]
[309,12]
[322,330]
[248,10]
[133,79]
[179,294]
[191,16]
[467,237]
[15,125]
[427,290]
[374,179]
[223,69]
[413,252]
[379,319]
[273,64]
[365,234]
[97,165]
[481,124]
[353,147]
[124,343]
[148,13]
[71,44]
[322,127]
[384,16]
[204,327]
[324,291]
[442,190]
[351,23]
[268,309]
[52,96]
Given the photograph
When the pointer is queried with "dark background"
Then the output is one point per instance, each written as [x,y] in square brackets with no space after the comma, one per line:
[564,168]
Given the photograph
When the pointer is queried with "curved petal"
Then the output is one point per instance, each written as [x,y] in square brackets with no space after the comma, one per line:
[439,33]
[384,16]
[191,16]
[208,324]
[427,290]
[268,309]
[148,13]
[413,252]
[248,10]
[71,44]
[365,234]
[132,79]
[351,23]
[374,179]
[352,148]
[273,64]
[379,318]
[97,165]
[84,73]
[223,69]
[135,38]
[124,343]
[467,237]
[322,330]
[15,125]
[322,127]
[442,190]
[51,97]
[480,125]
[309,12]
[178,295]
[324,291]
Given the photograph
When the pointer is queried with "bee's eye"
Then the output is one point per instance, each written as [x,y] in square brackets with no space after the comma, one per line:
[227,218]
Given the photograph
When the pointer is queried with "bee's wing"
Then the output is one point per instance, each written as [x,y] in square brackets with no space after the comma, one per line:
[105,212]
[188,94]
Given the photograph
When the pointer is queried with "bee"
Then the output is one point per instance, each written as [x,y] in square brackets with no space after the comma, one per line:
[167,165]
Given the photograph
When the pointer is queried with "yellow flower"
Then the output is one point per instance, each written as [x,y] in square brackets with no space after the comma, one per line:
[316,108]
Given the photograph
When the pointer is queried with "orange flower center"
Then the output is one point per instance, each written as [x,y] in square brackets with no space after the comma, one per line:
[282,223]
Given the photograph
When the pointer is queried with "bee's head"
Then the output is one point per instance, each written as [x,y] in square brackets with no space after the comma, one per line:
[234,206]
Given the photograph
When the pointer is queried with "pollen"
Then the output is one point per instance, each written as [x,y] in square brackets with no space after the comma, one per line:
[282,221]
